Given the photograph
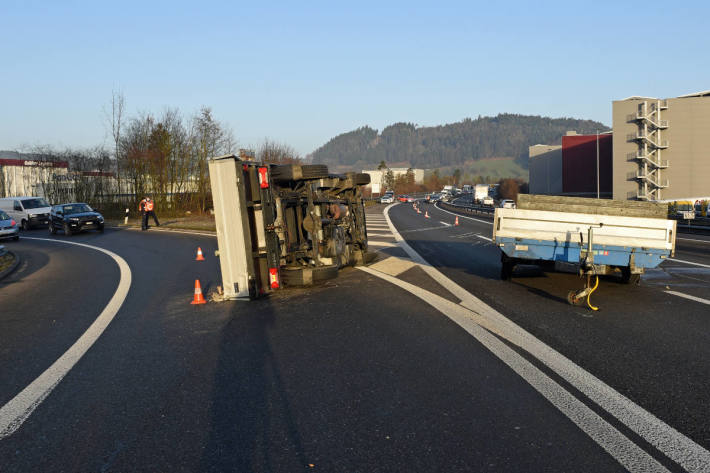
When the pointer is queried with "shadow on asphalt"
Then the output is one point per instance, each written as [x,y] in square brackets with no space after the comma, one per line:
[250,407]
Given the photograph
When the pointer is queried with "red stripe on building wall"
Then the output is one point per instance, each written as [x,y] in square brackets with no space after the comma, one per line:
[579,164]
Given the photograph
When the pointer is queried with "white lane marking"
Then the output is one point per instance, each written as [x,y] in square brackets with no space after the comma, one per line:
[444,223]
[187,232]
[421,229]
[380,243]
[379,235]
[463,216]
[692,239]
[689,262]
[462,235]
[688,296]
[665,438]
[628,454]
[484,237]
[19,408]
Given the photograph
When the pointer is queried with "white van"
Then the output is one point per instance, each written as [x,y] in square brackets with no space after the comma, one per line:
[29,212]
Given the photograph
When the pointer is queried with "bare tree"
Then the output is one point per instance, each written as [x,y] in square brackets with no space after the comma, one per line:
[273,152]
[209,138]
[115,120]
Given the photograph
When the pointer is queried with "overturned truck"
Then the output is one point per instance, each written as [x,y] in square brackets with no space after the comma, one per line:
[284,224]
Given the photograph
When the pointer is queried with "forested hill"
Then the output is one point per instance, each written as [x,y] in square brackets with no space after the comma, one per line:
[506,135]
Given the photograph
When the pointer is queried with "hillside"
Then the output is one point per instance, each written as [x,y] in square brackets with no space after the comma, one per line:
[455,144]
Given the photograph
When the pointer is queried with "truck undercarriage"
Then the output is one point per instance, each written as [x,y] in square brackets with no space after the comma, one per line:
[285,225]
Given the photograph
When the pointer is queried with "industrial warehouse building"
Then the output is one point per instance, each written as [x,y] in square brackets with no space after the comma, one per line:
[571,168]
[377,177]
[656,151]
[24,174]
[660,149]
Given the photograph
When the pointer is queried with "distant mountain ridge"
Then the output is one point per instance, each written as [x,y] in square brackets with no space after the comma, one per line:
[452,144]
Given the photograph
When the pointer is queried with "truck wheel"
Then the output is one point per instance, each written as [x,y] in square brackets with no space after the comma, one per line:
[307,276]
[361,179]
[314,171]
[52,230]
[290,172]
[361,257]
[25,225]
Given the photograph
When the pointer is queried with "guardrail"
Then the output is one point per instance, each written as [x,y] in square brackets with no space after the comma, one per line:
[468,208]
[701,224]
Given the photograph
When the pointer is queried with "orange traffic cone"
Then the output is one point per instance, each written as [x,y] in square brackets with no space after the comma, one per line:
[456,223]
[198,299]
[199,255]
[426,214]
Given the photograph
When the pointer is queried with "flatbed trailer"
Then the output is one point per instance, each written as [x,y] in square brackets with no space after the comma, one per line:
[596,237]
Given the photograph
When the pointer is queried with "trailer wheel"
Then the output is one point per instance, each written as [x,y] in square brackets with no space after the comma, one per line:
[307,276]
[572,298]
[628,278]
[506,267]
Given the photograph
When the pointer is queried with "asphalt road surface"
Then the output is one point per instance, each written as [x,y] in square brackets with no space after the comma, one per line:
[382,369]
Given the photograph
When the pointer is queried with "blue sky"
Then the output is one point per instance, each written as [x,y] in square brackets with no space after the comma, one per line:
[303,72]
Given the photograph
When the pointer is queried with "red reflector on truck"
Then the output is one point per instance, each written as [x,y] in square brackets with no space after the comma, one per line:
[274,278]
[264,178]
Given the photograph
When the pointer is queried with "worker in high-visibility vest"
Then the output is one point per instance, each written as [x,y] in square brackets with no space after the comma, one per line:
[147,209]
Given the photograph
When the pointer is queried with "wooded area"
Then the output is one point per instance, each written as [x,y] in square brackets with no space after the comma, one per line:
[505,135]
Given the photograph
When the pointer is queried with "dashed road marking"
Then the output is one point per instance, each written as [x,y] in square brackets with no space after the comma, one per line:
[689,297]
[381,243]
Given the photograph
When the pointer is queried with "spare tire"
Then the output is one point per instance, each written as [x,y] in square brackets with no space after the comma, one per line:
[361,179]
[291,276]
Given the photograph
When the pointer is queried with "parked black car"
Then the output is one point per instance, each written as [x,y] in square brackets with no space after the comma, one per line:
[73,218]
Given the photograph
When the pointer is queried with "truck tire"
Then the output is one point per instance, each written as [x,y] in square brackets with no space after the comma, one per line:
[361,258]
[361,179]
[291,172]
[314,171]
[307,276]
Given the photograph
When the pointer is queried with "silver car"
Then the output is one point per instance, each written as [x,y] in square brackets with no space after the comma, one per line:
[8,227]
